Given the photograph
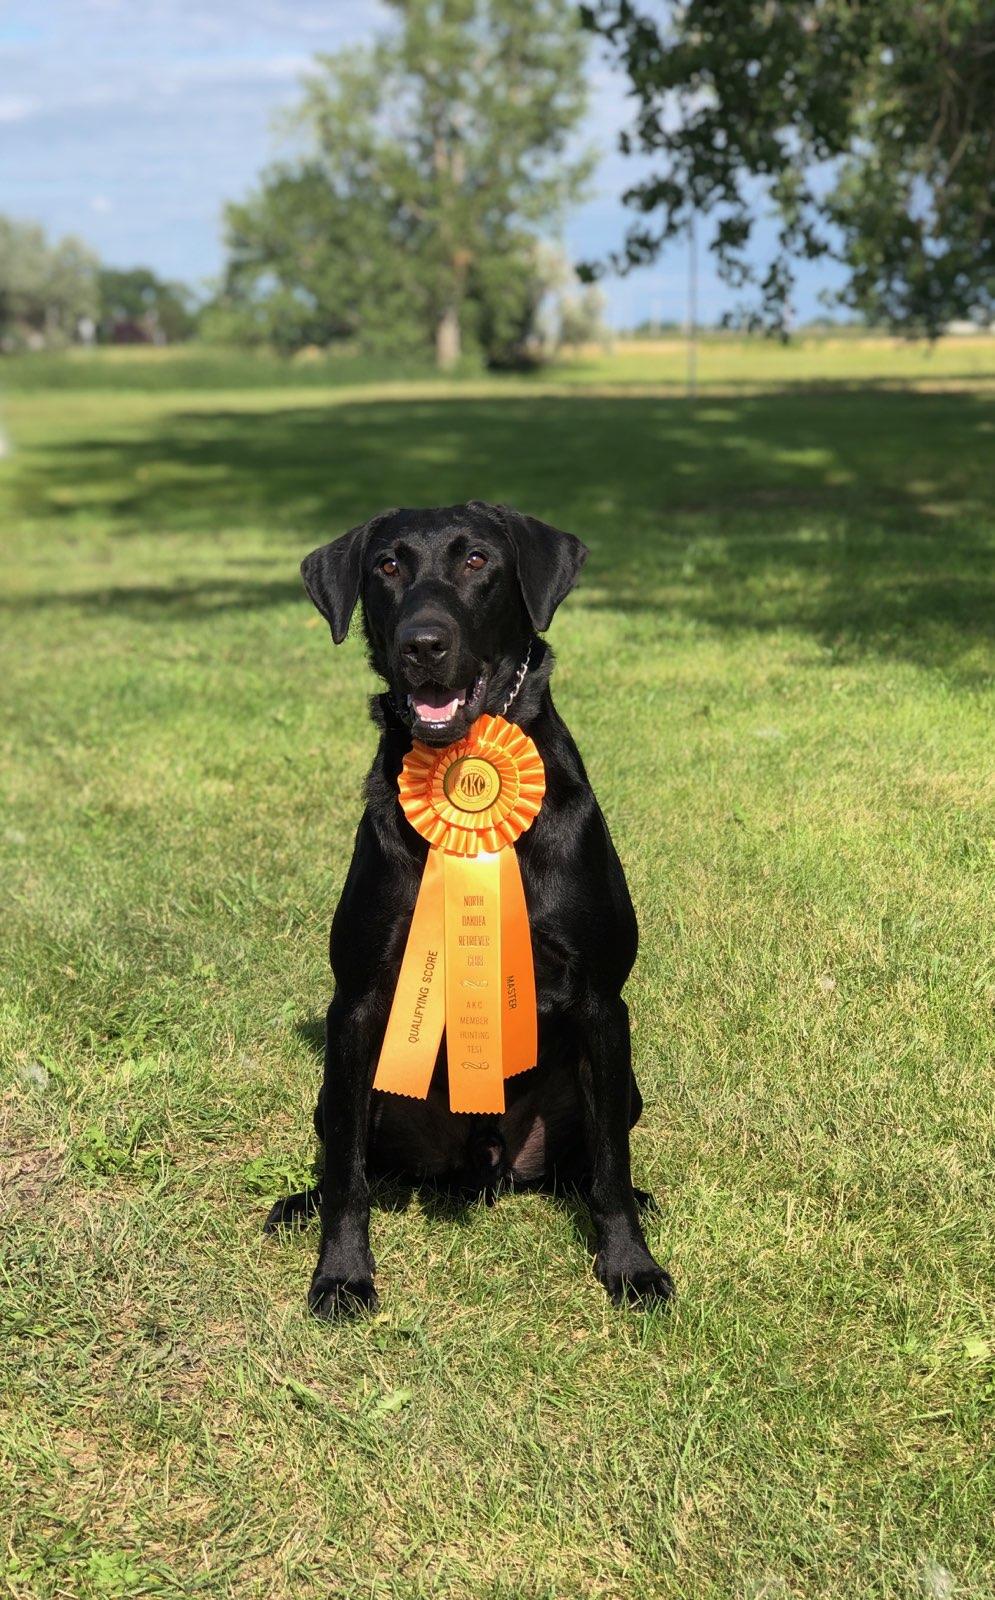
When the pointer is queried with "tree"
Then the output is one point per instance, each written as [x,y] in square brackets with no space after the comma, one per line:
[430,160]
[866,125]
[582,317]
[45,290]
[136,296]
[23,263]
[311,261]
[69,289]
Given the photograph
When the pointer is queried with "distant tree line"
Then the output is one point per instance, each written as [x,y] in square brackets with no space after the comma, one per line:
[56,293]
[47,291]
[138,307]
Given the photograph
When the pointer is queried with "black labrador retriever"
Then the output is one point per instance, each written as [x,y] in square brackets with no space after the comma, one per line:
[453,600]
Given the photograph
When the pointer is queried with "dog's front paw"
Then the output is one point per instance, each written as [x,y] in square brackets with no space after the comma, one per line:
[639,1282]
[333,1299]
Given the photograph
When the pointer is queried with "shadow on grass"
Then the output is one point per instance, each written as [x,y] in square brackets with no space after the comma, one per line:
[863,517]
[452,1207]
[440,1203]
[312,1034]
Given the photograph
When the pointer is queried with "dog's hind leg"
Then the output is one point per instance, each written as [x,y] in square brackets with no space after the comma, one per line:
[293,1209]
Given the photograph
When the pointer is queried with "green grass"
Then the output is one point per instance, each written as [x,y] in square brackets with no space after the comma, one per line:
[723,361]
[779,667]
[197,366]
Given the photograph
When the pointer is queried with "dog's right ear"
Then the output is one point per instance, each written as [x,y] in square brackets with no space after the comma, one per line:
[333,576]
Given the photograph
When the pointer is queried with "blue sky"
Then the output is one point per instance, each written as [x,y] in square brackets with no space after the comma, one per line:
[130,122]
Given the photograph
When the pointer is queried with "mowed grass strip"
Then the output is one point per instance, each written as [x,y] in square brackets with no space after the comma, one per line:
[779,667]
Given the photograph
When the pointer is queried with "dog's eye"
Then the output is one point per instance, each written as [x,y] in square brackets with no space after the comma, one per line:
[389,567]
[475,560]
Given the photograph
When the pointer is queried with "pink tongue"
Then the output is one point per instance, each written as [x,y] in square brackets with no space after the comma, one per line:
[434,708]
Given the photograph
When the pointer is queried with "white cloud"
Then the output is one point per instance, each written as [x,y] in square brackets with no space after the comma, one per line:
[86,54]
[286,68]
[15,107]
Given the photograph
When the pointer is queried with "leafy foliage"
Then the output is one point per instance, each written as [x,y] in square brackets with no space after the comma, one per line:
[138,297]
[46,289]
[582,317]
[866,125]
[429,161]
[57,293]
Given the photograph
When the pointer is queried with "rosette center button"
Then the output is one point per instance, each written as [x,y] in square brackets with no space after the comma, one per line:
[472,784]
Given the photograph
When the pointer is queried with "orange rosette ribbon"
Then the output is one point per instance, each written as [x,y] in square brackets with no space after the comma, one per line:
[467,968]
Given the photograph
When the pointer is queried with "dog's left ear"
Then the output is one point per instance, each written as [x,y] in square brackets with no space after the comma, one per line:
[548,562]
[333,575]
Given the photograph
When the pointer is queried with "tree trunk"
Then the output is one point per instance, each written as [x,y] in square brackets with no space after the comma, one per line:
[447,339]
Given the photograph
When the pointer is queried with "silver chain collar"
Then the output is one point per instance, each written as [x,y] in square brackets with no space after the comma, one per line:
[519,680]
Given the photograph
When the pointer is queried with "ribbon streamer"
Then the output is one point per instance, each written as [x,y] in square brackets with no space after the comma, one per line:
[467,968]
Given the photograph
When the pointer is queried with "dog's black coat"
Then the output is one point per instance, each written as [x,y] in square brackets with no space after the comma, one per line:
[452,600]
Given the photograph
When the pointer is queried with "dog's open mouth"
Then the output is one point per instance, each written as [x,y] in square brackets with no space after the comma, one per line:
[436,709]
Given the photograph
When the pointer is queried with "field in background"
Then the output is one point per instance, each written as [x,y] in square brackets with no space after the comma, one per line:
[779,667]
[809,359]
[722,362]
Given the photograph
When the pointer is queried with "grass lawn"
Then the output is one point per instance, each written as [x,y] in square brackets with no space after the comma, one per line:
[779,668]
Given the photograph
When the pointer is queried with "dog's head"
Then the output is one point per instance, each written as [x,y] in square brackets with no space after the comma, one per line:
[451,599]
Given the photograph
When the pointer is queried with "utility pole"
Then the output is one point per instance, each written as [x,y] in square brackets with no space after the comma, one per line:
[692,317]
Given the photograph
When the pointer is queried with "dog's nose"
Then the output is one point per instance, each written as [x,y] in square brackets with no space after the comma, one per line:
[425,644]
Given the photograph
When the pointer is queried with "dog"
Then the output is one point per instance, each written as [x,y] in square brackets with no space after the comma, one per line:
[453,602]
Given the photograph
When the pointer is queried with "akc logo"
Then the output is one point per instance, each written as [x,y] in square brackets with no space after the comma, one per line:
[472,783]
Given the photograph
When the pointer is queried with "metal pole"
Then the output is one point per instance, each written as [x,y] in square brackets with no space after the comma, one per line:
[692,320]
